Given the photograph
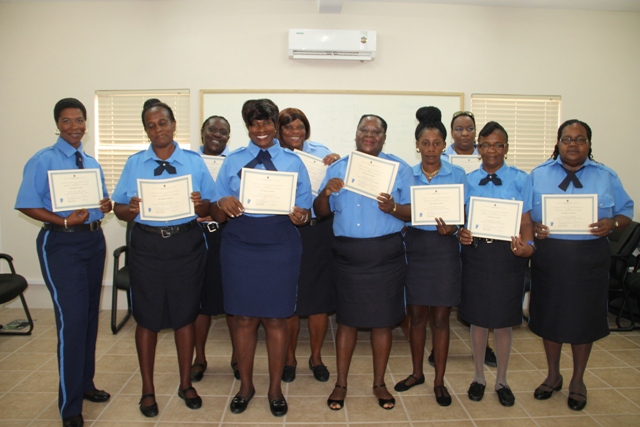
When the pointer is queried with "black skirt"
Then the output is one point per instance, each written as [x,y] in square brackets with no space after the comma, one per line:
[315,286]
[166,277]
[433,268]
[492,285]
[369,279]
[569,290]
[212,296]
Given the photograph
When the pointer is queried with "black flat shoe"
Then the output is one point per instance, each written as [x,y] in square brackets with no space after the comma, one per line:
[490,358]
[403,386]
[236,372]
[98,396]
[239,404]
[576,405]
[339,402]
[442,395]
[383,402]
[505,396]
[149,411]
[278,407]
[190,402]
[320,372]
[542,394]
[289,373]
[476,391]
[76,421]
[197,371]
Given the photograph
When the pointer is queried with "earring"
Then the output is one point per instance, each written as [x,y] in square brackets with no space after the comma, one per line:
[505,157]
[57,132]
[86,131]
[479,157]
[444,149]
[417,150]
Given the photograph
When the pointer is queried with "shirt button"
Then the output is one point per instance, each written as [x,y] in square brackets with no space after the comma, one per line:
[358,225]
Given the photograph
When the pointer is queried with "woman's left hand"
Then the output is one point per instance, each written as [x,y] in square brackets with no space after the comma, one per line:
[299,216]
[444,229]
[386,203]
[105,205]
[330,158]
[196,199]
[603,227]
[520,248]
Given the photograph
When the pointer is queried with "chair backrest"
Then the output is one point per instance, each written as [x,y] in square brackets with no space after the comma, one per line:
[624,243]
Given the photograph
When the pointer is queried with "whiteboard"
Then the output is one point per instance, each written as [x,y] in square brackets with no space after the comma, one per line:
[334,115]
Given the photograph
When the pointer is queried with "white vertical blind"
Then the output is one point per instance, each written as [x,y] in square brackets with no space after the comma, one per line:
[531,122]
[119,129]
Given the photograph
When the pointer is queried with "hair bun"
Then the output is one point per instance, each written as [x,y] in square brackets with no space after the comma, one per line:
[431,114]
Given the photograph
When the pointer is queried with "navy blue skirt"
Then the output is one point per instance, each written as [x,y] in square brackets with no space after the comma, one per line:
[260,259]
[212,301]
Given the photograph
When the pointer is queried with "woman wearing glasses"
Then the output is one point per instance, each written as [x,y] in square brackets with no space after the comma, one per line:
[433,260]
[463,132]
[569,272]
[493,271]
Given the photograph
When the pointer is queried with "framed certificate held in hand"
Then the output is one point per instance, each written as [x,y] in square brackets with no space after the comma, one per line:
[74,189]
[494,218]
[429,202]
[569,213]
[268,192]
[165,199]
[369,175]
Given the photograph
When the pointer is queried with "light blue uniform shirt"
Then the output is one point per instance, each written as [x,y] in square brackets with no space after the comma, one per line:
[596,178]
[34,190]
[284,160]
[449,151]
[318,150]
[141,166]
[513,181]
[224,153]
[359,216]
[449,174]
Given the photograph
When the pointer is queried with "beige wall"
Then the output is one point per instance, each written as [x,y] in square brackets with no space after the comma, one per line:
[53,50]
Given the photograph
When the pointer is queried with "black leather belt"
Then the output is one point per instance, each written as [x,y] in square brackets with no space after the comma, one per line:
[212,226]
[168,231]
[92,226]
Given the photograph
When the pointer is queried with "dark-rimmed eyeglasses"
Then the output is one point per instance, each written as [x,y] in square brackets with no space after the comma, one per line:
[579,140]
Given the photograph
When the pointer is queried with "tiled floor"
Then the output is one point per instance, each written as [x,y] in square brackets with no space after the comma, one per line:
[28,384]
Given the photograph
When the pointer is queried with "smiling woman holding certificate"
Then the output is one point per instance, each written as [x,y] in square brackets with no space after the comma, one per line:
[569,271]
[369,258]
[261,253]
[167,253]
[493,270]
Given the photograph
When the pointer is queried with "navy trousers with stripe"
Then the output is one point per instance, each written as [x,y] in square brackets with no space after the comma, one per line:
[72,265]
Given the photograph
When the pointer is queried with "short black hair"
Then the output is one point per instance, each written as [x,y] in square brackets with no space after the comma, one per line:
[215,117]
[260,109]
[491,127]
[65,103]
[383,121]
[155,102]
[463,114]
[430,118]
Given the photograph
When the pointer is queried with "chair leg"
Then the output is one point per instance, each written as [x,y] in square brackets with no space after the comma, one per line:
[632,322]
[115,326]
[29,320]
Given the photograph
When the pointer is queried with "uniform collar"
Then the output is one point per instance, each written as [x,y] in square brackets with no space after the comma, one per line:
[176,156]
[66,148]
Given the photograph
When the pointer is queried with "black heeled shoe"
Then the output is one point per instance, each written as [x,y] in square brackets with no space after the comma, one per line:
[320,372]
[541,394]
[239,404]
[383,402]
[149,411]
[197,371]
[278,407]
[190,402]
[336,401]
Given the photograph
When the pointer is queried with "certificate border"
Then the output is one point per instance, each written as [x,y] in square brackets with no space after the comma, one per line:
[292,200]
[419,188]
[389,188]
[456,156]
[594,211]
[55,206]
[301,153]
[475,199]
[146,217]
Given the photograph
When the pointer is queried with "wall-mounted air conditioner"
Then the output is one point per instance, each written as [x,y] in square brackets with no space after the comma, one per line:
[354,45]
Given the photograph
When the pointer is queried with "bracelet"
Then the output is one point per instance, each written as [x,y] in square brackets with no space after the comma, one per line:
[532,244]
[394,207]
[65,224]
[218,204]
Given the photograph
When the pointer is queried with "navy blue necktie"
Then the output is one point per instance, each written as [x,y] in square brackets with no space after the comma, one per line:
[571,177]
[264,158]
[79,163]
[492,177]
[164,166]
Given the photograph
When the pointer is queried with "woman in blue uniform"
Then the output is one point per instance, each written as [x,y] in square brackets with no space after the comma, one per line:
[315,287]
[369,260]
[166,258]
[433,260]
[71,250]
[463,132]
[260,254]
[493,271]
[569,272]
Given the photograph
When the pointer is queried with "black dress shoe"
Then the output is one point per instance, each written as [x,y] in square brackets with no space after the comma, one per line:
[239,404]
[476,391]
[403,386]
[505,396]
[442,395]
[289,374]
[541,393]
[576,405]
[97,396]
[320,372]
[190,402]
[278,407]
[149,411]
[384,402]
[197,371]
[76,421]
[490,358]
[339,403]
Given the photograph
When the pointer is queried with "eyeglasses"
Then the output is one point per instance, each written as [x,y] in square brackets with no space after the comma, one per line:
[459,129]
[579,140]
[497,145]
[463,113]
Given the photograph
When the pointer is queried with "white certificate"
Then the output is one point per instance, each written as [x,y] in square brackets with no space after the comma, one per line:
[213,164]
[467,162]
[369,175]
[494,218]
[429,202]
[75,189]
[569,213]
[165,199]
[316,169]
[268,192]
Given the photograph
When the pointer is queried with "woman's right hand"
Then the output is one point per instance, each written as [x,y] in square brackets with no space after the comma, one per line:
[333,186]
[134,205]
[78,217]
[231,206]
[465,237]
[540,231]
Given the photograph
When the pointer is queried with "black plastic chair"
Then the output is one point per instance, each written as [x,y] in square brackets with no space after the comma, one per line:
[623,245]
[121,282]
[13,285]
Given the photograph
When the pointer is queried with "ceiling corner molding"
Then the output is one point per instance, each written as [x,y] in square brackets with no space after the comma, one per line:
[330,6]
